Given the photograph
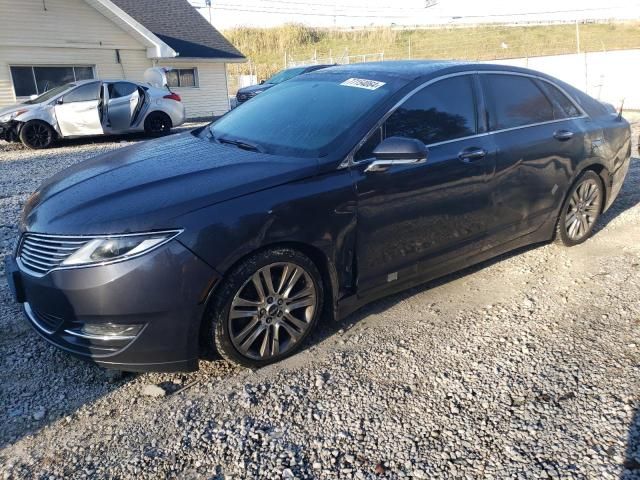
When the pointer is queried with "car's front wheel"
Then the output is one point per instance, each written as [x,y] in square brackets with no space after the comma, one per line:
[581,209]
[265,309]
[37,134]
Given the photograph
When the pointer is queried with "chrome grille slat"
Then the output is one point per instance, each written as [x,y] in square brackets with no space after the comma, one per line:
[58,242]
[27,259]
[41,253]
[36,252]
[50,259]
[49,248]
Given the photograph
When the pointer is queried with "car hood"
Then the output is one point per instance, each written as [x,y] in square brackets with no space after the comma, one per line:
[151,184]
[18,106]
[255,88]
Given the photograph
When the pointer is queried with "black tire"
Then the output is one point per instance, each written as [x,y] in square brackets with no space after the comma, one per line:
[584,213]
[157,124]
[219,330]
[37,134]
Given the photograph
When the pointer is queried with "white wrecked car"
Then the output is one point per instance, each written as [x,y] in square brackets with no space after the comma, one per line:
[94,107]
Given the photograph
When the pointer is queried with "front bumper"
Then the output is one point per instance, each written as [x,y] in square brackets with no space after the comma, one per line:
[162,293]
[9,131]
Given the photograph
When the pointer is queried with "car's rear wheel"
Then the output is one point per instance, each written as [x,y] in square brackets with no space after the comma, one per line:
[37,134]
[157,124]
[265,309]
[581,209]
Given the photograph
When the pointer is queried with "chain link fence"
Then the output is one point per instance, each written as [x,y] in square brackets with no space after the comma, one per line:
[479,43]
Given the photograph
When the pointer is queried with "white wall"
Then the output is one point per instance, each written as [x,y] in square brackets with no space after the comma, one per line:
[70,32]
[210,97]
[607,76]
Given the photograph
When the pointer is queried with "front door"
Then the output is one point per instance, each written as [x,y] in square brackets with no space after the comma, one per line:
[123,100]
[78,112]
[414,217]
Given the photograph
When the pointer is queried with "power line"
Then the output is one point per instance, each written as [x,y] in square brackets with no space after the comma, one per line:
[284,12]
[265,4]
[576,10]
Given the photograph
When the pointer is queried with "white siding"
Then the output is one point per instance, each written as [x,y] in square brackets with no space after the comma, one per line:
[134,63]
[64,23]
[210,97]
[71,32]
[68,32]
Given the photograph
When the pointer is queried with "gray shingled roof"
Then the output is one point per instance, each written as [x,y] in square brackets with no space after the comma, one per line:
[181,27]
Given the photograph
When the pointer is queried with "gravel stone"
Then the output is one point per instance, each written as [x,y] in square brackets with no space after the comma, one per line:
[524,367]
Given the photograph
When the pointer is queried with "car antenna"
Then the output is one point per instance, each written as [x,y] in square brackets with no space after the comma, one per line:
[620,111]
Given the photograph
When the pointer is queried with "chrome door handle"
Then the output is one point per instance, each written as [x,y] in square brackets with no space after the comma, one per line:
[563,135]
[469,155]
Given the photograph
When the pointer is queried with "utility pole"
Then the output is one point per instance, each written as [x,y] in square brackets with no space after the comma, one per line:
[577,36]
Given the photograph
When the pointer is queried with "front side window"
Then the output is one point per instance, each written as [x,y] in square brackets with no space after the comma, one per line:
[515,101]
[35,80]
[84,93]
[181,77]
[439,112]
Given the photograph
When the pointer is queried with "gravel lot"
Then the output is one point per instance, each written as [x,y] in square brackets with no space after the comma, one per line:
[524,367]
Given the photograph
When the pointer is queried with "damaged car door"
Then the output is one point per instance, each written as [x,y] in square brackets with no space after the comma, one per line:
[123,101]
[78,112]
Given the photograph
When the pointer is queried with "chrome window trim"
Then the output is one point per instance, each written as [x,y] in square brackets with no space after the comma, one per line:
[348,161]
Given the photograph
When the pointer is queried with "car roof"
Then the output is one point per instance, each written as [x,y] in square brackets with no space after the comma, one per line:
[414,69]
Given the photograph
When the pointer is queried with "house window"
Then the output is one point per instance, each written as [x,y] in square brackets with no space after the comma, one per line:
[182,77]
[36,80]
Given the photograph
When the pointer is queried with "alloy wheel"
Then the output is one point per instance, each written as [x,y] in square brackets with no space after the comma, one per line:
[272,311]
[583,209]
[38,135]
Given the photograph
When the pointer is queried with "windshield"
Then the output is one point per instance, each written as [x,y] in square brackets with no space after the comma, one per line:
[49,94]
[284,75]
[306,117]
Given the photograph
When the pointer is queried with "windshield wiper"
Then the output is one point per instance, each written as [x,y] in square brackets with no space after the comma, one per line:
[240,144]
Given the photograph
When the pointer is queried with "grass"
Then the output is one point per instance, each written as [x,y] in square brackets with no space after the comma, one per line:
[267,48]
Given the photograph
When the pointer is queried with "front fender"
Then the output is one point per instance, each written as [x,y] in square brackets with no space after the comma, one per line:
[318,212]
[45,113]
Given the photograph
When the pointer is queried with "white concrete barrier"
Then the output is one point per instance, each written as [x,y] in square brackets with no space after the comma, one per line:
[607,76]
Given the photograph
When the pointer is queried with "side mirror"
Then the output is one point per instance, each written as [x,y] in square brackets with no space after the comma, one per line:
[397,151]
[59,101]
[261,82]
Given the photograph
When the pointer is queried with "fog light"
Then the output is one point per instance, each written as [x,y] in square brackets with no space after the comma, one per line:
[106,331]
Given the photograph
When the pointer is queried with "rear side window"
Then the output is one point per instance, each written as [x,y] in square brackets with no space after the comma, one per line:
[121,89]
[442,111]
[562,106]
[83,93]
[515,101]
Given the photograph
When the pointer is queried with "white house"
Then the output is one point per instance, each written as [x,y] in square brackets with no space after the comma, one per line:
[44,43]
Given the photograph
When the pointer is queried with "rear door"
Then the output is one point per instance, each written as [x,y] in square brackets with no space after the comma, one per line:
[122,104]
[78,112]
[539,134]
[413,217]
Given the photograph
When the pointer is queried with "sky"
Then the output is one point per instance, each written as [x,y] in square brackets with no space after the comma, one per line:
[357,13]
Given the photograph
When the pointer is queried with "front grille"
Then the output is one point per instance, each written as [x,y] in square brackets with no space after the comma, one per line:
[42,253]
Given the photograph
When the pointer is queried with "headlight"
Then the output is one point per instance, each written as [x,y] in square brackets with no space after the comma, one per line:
[118,247]
[10,116]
